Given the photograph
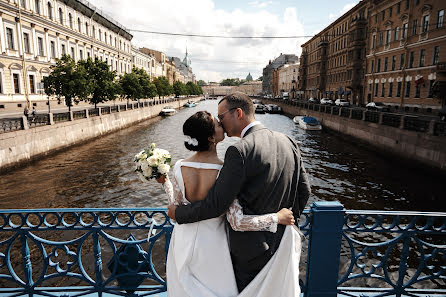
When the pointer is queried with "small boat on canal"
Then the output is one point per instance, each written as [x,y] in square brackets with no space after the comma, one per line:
[167,111]
[307,123]
[190,104]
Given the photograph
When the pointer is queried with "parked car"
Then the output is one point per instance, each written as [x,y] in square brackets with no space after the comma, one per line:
[342,102]
[442,113]
[326,101]
[378,106]
[313,100]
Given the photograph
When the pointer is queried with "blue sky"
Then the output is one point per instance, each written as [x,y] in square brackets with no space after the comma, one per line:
[215,59]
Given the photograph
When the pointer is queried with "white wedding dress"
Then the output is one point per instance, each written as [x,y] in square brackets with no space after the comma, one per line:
[199,262]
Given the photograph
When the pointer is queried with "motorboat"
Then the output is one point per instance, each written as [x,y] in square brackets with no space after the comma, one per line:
[259,108]
[273,108]
[307,123]
[190,104]
[167,111]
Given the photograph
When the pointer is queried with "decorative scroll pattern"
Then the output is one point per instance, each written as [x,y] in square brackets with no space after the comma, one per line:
[402,253]
[48,251]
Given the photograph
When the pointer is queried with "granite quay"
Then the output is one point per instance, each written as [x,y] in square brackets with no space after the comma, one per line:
[22,139]
[107,252]
[405,136]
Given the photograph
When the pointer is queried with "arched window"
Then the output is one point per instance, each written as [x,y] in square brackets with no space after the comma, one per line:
[37,6]
[79,25]
[70,19]
[111,43]
[116,42]
[100,35]
[94,32]
[105,37]
[50,11]
[60,16]
[86,28]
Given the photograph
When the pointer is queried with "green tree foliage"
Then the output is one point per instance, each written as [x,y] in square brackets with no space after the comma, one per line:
[179,88]
[101,79]
[201,83]
[232,82]
[68,81]
[260,78]
[137,85]
[193,89]
[163,87]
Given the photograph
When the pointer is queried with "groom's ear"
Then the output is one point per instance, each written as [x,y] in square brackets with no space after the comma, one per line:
[240,113]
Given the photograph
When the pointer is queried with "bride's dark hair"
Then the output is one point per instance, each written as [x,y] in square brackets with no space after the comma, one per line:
[200,126]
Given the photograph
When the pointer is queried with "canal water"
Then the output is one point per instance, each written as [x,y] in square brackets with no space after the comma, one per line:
[100,173]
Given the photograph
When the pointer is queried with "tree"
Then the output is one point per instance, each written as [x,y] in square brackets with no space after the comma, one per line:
[101,80]
[179,88]
[68,81]
[232,82]
[136,85]
[201,83]
[163,87]
[260,78]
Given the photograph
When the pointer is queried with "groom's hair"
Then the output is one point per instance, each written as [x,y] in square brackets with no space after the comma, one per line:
[200,126]
[239,100]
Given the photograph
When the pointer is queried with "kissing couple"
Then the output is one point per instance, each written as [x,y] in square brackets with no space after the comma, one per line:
[235,233]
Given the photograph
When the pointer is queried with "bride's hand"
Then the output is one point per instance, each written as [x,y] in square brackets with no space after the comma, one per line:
[162,179]
[285,217]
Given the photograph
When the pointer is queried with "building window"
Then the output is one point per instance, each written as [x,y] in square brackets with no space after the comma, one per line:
[23,3]
[93,31]
[73,53]
[407,89]
[10,38]
[414,27]
[398,8]
[60,16]
[376,90]
[417,91]
[70,20]
[380,38]
[411,59]
[64,51]
[16,79]
[386,61]
[404,31]
[79,26]
[431,93]
[105,37]
[401,61]
[425,26]
[26,43]
[383,15]
[397,32]
[40,45]
[32,88]
[373,41]
[383,89]
[372,66]
[378,65]
[387,37]
[422,57]
[86,28]
[390,12]
[100,35]
[37,6]
[370,87]
[390,89]
[53,49]
[398,89]
[407,4]
[440,18]
[50,11]
[436,55]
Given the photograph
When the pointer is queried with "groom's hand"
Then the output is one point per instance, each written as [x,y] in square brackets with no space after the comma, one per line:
[171,212]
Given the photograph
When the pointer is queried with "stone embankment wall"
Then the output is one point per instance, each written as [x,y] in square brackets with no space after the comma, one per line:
[23,145]
[422,147]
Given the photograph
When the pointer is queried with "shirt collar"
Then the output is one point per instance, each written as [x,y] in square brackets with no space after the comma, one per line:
[249,126]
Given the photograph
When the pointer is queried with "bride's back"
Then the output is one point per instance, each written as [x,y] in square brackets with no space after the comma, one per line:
[197,182]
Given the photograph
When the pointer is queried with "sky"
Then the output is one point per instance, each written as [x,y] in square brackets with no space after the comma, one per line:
[214,59]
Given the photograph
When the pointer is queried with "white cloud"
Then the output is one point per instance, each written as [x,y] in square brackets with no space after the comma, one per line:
[215,59]
[260,4]
[347,7]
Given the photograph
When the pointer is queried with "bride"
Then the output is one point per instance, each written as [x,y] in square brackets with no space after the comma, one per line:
[199,262]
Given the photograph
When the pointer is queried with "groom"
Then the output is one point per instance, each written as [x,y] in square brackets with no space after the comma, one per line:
[264,170]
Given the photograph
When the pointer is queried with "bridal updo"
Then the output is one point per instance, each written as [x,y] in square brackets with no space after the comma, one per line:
[197,129]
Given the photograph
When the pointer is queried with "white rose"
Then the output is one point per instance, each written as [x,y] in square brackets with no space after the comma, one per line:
[144,165]
[153,161]
[163,168]
[141,176]
[147,171]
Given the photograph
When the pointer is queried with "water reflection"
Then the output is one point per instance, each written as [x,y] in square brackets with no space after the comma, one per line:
[100,173]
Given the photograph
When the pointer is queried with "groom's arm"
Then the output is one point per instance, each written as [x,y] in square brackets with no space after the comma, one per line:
[222,193]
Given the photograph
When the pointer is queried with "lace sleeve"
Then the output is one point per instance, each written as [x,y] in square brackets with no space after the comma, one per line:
[173,191]
[242,222]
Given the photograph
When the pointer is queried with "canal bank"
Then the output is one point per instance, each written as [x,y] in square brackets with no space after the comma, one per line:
[22,146]
[424,148]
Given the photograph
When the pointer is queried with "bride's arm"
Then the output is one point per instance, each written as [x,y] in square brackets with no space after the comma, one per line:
[173,191]
[267,222]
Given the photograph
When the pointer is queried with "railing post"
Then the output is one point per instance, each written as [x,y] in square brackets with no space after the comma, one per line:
[402,122]
[25,125]
[118,108]
[99,111]
[86,113]
[70,116]
[364,112]
[50,119]
[431,130]
[324,249]
[380,118]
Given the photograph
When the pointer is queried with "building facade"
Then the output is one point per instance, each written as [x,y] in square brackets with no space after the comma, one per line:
[33,33]
[268,87]
[333,61]
[142,60]
[287,79]
[407,42]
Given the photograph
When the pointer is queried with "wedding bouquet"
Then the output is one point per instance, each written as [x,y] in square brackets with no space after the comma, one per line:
[152,163]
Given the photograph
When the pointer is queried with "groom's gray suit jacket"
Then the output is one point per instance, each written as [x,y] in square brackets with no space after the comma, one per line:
[264,170]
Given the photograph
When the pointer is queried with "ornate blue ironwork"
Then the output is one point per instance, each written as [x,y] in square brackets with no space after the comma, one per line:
[53,252]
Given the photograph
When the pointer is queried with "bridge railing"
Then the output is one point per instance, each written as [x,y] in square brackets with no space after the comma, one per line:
[50,252]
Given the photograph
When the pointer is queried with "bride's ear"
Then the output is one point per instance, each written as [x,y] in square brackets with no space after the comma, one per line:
[211,139]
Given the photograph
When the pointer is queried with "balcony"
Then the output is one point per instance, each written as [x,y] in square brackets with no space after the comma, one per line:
[81,252]
[441,67]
